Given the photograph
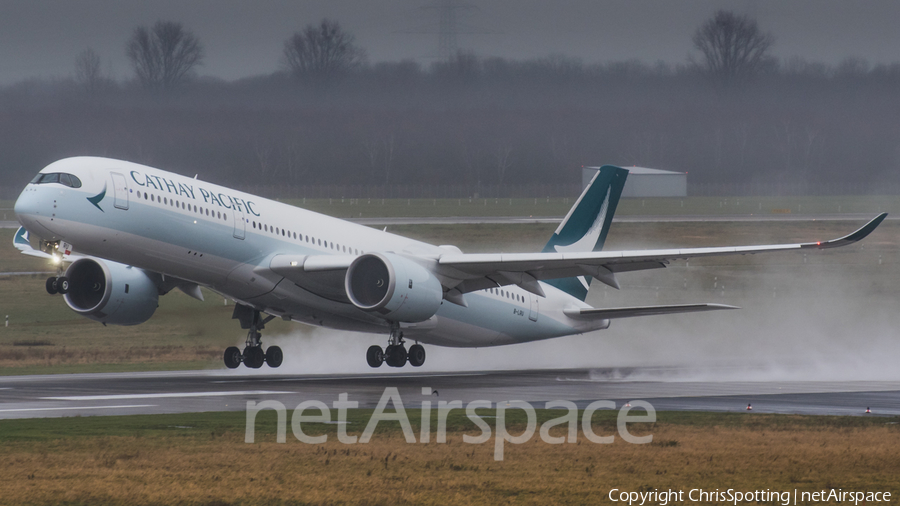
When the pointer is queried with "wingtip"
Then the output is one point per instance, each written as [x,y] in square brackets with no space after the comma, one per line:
[851,238]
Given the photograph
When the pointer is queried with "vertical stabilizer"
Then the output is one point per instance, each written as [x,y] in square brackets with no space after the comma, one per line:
[587,224]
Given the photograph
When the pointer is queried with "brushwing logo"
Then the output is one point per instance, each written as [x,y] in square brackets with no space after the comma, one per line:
[97,198]
[22,237]
[589,239]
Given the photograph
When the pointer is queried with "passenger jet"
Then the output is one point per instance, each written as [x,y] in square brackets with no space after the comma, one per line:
[123,234]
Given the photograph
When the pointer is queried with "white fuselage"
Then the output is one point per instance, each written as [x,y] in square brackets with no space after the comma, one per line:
[224,239]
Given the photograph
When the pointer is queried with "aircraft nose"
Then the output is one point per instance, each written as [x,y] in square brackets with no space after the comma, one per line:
[27,205]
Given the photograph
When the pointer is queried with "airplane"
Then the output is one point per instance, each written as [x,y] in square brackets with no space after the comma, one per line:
[129,233]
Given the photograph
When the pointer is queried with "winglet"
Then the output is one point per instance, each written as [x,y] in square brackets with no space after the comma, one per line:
[851,238]
[22,243]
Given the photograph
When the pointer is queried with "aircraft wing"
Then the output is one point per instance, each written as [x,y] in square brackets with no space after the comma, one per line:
[628,312]
[22,243]
[479,271]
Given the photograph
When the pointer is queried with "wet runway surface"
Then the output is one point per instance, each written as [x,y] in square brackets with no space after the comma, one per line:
[200,391]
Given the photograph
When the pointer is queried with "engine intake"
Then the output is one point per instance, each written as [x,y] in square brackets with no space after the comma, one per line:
[395,287]
[110,292]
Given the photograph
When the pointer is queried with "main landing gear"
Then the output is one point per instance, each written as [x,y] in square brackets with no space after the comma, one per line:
[395,354]
[253,355]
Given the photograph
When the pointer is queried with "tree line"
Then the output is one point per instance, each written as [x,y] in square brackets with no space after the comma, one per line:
[732,113]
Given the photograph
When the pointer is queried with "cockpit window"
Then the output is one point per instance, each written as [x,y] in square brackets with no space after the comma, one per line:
[62,178]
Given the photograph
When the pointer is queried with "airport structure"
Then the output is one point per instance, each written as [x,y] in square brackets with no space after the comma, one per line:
[644,182]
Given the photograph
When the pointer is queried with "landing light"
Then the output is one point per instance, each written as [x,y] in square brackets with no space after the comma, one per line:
[294,264]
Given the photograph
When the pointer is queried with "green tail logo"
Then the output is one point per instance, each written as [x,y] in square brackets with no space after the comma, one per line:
[587,224]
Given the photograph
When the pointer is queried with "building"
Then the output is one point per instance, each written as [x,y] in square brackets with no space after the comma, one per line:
[644,182]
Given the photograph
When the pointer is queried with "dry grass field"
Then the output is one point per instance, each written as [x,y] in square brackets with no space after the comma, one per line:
[201,459]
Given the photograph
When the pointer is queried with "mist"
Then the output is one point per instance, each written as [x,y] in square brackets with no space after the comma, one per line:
[798,322]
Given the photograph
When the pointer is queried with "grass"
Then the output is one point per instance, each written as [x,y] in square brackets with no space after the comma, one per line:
[202,459]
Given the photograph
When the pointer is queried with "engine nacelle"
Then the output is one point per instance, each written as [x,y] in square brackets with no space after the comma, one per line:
[109,292]
[398,288]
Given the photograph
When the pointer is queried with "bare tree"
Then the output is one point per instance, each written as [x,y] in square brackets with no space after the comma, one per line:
[502,159]
[165,55]
[87,71]
[733,47]
[322,51]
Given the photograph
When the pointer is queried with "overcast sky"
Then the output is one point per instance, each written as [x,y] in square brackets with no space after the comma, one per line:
[41,38]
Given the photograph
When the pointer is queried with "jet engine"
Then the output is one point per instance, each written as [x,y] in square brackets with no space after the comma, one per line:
[110,292]
[395,287]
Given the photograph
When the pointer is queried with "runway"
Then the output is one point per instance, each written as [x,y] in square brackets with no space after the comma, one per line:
[202,391]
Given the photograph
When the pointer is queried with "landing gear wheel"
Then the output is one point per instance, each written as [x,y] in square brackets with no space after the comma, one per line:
[274,356]
[62,285]
[396,355]
[51,286]
[416,355]
[232,357]
[375,356]
[254,357]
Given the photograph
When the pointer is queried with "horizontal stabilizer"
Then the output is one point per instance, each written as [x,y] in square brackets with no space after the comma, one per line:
[628,312]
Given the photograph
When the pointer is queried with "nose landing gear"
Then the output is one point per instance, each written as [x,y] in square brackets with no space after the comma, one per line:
[57,285]
[253,355]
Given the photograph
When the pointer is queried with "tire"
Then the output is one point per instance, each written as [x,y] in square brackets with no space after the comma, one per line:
[389,355]
[375,356]
[254,357]
[274,356]
[51,286]
[62,285]
[416,355]
[397,356]
[232,357]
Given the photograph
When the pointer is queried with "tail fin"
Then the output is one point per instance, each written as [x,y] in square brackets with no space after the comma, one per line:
[586,225]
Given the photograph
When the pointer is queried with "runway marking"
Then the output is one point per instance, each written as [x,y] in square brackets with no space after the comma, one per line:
[163,395]
[19,410]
